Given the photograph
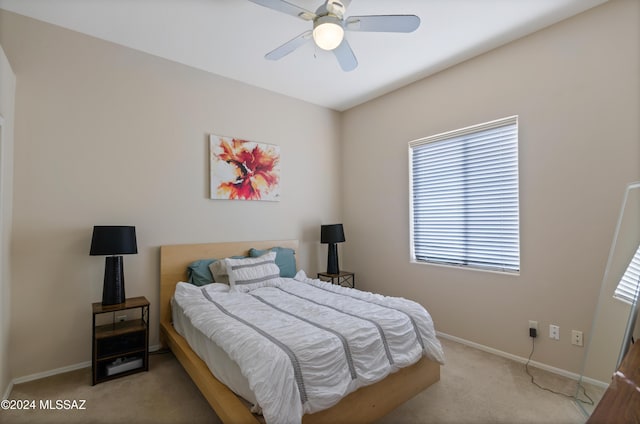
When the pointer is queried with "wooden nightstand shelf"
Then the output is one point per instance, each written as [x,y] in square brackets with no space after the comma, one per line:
[342,278]
[120,348]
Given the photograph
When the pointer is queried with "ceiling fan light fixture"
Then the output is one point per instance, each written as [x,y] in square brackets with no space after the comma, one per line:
[328,32]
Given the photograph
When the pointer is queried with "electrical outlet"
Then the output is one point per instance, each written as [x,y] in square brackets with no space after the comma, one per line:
[121,318]
[576,338]
[533,325]
[554,332]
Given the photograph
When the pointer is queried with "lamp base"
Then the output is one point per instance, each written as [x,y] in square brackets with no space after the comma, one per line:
[113,287]
[332,259]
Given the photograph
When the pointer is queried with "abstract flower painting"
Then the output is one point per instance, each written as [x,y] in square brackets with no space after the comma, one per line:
[244,170]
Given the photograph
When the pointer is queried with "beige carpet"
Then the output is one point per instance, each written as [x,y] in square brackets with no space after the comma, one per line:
[478,387]
[475,387]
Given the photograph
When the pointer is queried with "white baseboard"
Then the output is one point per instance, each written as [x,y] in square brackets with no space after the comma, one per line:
[523,360]
[7,392]
[39,375]
[43,374]
[155,348]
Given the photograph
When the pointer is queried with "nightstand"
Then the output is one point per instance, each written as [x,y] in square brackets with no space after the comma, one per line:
[120,347]
[342,278]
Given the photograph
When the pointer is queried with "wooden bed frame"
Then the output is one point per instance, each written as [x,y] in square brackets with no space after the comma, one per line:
[362,406]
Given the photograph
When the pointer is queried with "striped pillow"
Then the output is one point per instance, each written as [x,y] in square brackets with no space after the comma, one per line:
[252,273]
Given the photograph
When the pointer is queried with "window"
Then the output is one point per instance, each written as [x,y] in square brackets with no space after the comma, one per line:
[464,197]
[629,285]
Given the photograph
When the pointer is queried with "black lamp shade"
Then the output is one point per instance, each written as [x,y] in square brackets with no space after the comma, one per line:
[333,233]
[113,240]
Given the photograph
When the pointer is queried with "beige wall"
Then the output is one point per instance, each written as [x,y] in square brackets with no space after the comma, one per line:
[109,135]
[7,100]
[575,88]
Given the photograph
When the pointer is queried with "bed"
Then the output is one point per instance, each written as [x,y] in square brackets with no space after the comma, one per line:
[363,405]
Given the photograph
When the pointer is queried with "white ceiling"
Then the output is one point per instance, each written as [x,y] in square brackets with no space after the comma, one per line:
[231,37]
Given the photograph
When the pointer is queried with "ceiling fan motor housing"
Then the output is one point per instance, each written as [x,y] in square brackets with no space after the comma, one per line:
[335,7]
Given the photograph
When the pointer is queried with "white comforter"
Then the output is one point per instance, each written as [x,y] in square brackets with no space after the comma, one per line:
[305,344]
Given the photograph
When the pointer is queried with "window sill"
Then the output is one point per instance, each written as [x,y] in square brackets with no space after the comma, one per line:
[466,268]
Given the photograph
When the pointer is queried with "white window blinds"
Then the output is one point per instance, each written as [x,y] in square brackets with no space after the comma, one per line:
[464,197]
[629,284]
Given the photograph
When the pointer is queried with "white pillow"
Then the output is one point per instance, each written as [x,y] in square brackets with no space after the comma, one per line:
[251,273]
[218,269]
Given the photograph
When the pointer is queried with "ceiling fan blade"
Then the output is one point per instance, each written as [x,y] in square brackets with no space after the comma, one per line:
[383,23]
[345,56]
[286,7]
[289,46]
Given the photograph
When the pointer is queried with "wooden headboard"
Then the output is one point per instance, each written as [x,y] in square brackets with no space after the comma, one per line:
[174,260]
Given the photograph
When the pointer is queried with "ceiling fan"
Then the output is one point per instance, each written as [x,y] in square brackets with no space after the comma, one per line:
[329,25]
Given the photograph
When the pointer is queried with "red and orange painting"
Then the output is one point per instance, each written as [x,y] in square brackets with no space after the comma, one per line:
[244,170]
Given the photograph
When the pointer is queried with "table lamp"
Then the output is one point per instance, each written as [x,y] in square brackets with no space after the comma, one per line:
[114,241]
[332,234]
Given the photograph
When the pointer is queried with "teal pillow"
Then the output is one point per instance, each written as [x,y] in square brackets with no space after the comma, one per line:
[198,272]
[285,259]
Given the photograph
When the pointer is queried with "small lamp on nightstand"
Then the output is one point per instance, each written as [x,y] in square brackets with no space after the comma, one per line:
[332,234]
[113,240]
